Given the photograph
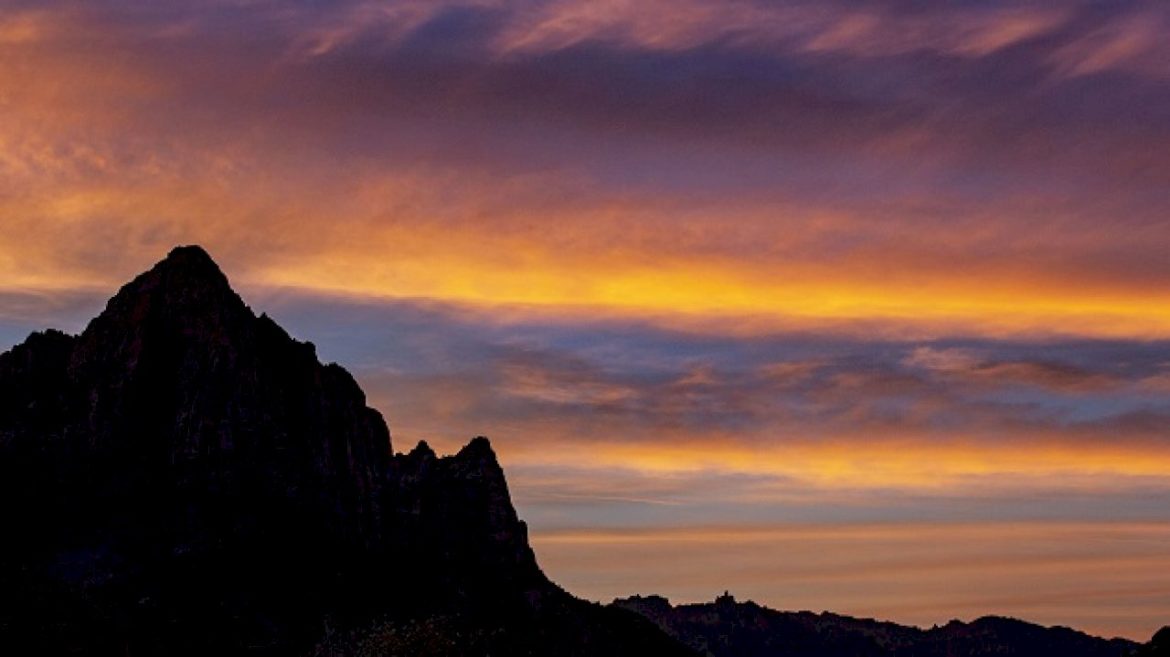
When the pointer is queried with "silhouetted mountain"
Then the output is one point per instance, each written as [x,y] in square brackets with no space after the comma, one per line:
[1159,645]
[184,478]
[726,628]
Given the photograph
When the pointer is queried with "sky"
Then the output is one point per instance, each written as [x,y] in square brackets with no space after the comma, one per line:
[856,306]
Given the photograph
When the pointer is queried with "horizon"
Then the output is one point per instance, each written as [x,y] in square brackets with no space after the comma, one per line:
[862,309]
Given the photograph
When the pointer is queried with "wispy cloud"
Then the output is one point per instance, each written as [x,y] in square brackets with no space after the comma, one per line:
[957,178]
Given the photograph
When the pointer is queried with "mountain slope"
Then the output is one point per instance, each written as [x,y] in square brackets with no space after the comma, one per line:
[183,478]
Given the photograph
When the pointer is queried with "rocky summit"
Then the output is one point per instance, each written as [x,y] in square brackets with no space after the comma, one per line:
[184,478]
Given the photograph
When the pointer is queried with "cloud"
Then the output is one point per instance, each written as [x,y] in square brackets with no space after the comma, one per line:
[964,364]
[592,157]
[446,372]
[945,360]
[1128,42]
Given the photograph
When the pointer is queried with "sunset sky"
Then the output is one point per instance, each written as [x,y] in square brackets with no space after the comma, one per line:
[860,306]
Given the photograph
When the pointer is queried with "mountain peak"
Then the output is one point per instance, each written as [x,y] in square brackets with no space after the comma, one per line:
[190,253]
[192,264]
[187,266]
[422,451]
[479,448]
[183,298]
[185,478]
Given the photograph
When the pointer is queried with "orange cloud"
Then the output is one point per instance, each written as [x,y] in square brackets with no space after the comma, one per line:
[113,148]
[858,463]
[1131,43]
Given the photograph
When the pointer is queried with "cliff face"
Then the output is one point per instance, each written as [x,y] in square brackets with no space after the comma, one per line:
[185,478]
[454,522]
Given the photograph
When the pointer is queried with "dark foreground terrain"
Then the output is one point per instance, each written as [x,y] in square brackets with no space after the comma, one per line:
[184,478]
[726,628]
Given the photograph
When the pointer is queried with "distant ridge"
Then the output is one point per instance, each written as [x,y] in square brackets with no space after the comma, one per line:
[727,628]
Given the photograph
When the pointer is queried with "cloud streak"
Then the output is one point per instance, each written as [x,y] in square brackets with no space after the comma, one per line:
[438,133]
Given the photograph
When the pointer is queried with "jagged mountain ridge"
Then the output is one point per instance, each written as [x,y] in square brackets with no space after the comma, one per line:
[184,478]
[727,628]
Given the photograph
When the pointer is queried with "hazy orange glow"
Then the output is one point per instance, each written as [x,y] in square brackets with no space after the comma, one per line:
[687,291]
[74,169]
[929,573]
[860,464]
[697,293]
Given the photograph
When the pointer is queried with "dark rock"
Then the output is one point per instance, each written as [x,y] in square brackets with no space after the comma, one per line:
[184,478]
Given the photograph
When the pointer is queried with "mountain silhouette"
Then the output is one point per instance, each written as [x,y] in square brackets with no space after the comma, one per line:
[727,628]
[184,478]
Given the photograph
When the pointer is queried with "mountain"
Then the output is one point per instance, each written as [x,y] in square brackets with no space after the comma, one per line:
[184,478]
[727,628]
